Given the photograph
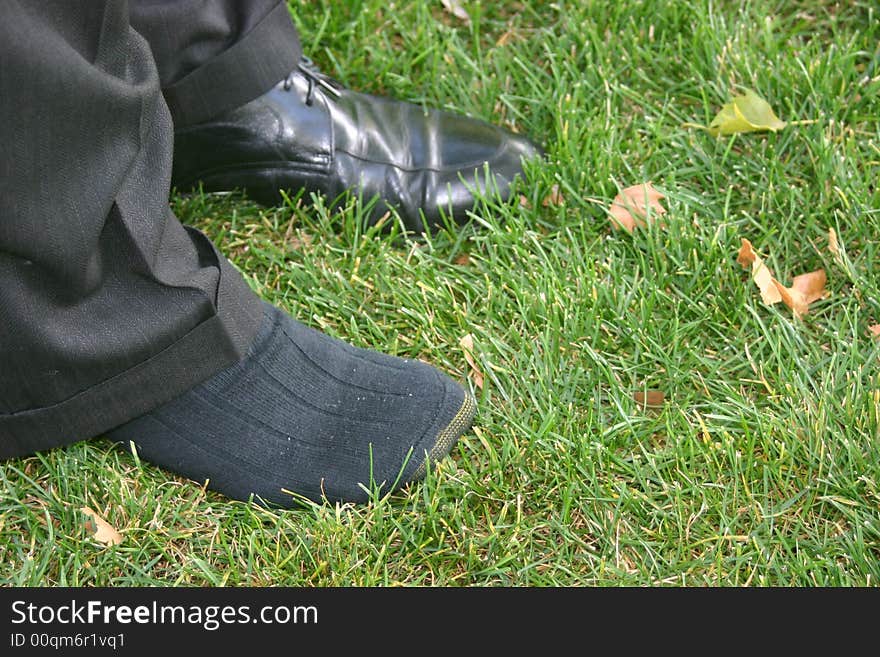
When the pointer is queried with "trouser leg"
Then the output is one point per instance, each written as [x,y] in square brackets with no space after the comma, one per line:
[108,305]
[214,55]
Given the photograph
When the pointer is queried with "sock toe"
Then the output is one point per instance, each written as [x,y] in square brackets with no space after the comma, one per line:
[455,419]
[305,414]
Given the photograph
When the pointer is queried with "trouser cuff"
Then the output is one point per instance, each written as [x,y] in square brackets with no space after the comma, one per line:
[213,345]
[238,75]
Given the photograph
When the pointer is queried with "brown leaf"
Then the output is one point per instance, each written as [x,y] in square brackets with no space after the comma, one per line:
[454,7]
[875,330]
[804,290]
[760,273]
[649,398]
[463,259]
[300,241]
[101,530]
[630,207]
[811,286]
[555,197]
[467,345]
[524,202]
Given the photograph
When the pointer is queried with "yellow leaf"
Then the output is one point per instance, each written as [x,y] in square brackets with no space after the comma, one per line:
[633,204]
[728,121]
[102,531]
[746,113]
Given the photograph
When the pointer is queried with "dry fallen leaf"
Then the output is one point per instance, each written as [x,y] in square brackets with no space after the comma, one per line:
[875,330]
[463,259]
[631,206]
[555,197]
[300,241]
[467,345]
[760,273]
[649,398]
[100,529]
[804,290]
[833,244]
[505,38]
[454,7]
[746,113]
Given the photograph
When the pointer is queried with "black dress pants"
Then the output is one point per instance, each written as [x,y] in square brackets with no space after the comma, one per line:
[109,306]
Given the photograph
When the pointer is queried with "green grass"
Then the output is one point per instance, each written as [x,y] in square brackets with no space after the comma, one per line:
[763,465]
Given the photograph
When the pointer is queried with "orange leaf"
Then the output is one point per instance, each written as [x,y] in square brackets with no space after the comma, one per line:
[632,205]
[102,531]
[746,255]
[467,345]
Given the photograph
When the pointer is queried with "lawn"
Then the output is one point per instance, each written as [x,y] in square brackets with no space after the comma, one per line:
[760,466]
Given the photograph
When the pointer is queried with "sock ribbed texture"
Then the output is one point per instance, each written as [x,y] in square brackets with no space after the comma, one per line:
[308,414]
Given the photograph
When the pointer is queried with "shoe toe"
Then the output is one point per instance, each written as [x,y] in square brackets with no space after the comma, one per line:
[484,168]
[463,142]
[509,160]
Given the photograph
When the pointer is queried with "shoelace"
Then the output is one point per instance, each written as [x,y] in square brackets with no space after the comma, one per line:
[314,76]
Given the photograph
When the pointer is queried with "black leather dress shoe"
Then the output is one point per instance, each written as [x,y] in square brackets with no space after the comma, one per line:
[310,132]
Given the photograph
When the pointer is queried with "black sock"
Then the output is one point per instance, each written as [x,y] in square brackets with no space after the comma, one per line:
[308,414]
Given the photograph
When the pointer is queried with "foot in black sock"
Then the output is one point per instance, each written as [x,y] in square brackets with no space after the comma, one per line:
[306,414]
